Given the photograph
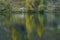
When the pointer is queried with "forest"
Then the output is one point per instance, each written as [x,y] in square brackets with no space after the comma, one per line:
[29,19]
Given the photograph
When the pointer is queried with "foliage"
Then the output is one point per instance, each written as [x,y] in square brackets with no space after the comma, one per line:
[30,25]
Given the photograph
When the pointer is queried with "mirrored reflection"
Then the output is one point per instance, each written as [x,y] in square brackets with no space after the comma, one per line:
[29,20]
